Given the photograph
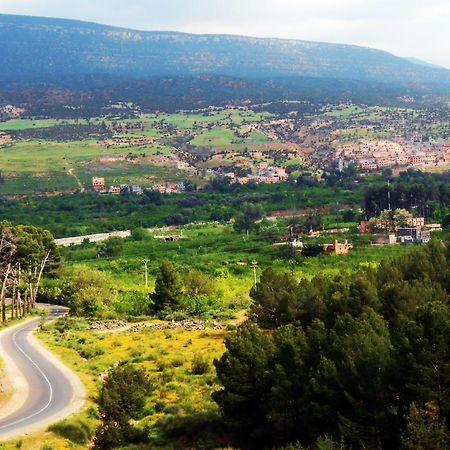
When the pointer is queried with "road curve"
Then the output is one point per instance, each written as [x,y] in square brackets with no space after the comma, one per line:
[44,390]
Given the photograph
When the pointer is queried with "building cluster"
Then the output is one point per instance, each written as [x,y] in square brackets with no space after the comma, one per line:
[415,231]
[379,154]
[264,174]
[99,185]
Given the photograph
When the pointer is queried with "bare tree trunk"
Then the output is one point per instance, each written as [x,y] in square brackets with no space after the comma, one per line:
[13,301]
[18,304]
[28,302]
[35,286]
[24,301]
[3,292]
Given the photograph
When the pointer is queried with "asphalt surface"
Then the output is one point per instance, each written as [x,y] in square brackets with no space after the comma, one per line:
[50,390]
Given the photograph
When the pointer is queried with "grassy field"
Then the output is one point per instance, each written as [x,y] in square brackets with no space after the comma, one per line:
[180,390]
[226,257]
[24,124]
[45,165]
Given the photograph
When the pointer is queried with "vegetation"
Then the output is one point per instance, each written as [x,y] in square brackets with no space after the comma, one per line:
[121,399]
[358,357]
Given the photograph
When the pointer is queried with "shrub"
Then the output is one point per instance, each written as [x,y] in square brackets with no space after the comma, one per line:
[74,430]
[91,351]
[200,365]
[139,234]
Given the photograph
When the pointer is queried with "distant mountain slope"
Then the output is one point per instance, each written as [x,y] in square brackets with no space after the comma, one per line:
[36,48]
[420,62]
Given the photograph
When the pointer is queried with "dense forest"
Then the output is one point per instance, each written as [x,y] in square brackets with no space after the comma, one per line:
[361,359]
[413,190]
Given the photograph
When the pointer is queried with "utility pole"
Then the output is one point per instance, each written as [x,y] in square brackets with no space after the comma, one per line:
[389,194]
[146,261]
[254,264]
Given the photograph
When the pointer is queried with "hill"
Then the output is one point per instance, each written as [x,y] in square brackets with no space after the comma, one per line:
[39,48]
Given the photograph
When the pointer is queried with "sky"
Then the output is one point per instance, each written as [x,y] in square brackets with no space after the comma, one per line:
[414,28]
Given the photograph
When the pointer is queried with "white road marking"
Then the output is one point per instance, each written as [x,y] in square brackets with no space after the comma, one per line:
[43,375]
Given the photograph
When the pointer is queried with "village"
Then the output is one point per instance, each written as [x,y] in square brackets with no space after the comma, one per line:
[377,155]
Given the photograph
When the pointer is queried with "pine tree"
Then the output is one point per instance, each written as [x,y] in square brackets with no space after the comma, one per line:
[121,399]
[168,289]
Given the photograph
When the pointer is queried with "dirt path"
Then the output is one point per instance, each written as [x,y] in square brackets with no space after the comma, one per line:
[72,173]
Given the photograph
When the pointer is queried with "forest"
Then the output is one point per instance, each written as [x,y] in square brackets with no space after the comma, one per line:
[360,360]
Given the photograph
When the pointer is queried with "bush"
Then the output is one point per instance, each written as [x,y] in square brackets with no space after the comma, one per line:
[91,351]
[111,248]
[140,234]
[74,430]
[200,365]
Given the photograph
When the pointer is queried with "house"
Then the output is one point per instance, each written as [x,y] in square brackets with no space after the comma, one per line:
[98,184]
[131,189]
[114,190]
[368,164]
[384,239]
[415,160]
[413,234]
[338,248]
[416,222]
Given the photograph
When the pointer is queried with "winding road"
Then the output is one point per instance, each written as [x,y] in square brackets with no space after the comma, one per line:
[44,390]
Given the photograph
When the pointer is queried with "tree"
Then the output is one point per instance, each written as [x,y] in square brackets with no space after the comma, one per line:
[247,218]
[168,292]
[139,234]
[26,253]
[198,284]
[111,248]
[152,197]
[246,374]
[424,431]
[274,298]
[88,292]
[121,399]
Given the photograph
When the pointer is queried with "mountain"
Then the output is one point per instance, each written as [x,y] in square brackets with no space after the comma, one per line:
[421,62]
[35,48]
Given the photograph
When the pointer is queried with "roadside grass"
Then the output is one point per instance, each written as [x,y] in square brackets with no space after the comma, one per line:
[179,364]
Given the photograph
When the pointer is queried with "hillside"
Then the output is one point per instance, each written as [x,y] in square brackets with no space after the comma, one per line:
[39,48]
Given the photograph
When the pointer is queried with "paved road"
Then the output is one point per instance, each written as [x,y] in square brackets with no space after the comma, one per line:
[99,237]
[49,390]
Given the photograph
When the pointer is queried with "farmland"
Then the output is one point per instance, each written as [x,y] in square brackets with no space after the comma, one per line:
[38,165]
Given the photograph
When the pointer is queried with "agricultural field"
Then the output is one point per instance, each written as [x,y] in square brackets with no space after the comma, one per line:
[145,150]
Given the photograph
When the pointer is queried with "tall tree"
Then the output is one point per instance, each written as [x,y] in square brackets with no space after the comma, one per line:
[168,292]
[246,374]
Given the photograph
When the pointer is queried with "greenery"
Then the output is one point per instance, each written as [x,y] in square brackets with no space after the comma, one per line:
[349,357]
[121,399]
[168,289]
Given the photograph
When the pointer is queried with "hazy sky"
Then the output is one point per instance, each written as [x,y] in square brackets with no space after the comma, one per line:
[405,27]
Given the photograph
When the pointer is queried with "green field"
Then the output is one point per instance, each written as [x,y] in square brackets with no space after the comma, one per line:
[226,256]
[24,124]
[37,165]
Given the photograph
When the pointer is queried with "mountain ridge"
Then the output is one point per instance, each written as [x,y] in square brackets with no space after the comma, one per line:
[33,47]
